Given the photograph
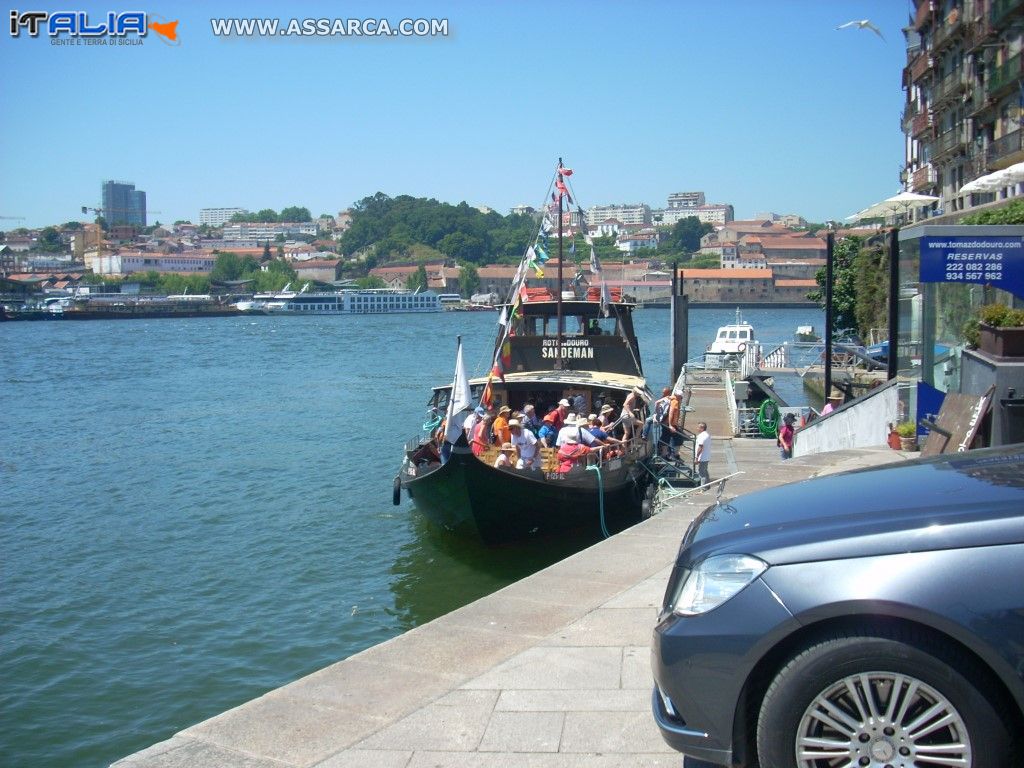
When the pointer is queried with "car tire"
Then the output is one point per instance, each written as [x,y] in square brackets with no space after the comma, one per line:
[835,670]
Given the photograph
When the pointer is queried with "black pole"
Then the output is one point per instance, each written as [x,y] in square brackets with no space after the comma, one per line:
[558,322]
[892,364]
[830,244]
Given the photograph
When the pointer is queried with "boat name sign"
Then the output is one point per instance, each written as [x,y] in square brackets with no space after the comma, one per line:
[578,349]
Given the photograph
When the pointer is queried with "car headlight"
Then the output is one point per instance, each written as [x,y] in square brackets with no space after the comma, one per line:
[714,581]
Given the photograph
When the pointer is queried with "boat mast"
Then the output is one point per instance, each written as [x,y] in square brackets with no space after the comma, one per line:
[558,321]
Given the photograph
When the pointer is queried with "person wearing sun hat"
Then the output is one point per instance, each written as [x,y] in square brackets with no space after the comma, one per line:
[506,457]
[525,443]
[500,425]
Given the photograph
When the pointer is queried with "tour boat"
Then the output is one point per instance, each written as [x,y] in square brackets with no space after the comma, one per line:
[730,343]
[576,346]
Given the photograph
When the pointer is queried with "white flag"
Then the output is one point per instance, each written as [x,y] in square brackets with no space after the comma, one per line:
[461,399]
[606,300]
[595,265]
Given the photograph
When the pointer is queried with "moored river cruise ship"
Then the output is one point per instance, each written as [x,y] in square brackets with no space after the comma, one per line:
[368,301]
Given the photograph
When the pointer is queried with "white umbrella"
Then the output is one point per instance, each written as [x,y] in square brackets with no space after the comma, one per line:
[996,180]
[900,203]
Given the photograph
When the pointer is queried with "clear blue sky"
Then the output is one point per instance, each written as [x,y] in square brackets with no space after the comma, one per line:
[759,103]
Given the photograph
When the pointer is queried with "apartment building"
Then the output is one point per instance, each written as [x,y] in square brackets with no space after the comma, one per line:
[963,111]
[217,217]
[627,214]
[263,231]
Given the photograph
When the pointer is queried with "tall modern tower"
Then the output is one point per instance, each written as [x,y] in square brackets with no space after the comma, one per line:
[123,204]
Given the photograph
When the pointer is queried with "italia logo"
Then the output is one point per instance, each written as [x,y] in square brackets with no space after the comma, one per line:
[79,24]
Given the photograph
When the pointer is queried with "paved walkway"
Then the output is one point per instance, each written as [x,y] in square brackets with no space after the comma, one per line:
[550,672]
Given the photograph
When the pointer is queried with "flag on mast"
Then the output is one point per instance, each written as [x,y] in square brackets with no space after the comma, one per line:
[461,400]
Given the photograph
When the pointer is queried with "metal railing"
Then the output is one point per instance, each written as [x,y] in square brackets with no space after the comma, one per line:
[1004,75]
[1003,146]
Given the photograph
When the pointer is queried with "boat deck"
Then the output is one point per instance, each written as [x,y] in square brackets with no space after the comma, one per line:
[551,671]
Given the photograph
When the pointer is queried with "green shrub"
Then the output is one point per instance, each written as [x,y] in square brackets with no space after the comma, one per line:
[1001,316]
[906,429]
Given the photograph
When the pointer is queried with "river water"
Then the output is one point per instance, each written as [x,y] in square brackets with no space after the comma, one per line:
[196,511]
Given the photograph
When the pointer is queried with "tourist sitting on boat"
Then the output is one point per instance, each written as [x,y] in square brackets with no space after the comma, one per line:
[548,433]
[506,457]
[530,420]
[571,454]
[606,416]
[574,428]
[525,443]
[481,435]
[500,426]
[610,444]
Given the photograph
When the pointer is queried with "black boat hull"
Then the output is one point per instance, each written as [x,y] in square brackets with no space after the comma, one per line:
[498,506]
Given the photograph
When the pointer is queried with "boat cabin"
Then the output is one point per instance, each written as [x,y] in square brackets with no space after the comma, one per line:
[730,337]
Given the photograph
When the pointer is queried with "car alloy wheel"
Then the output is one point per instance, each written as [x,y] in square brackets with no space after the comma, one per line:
[889,698]
[881,719]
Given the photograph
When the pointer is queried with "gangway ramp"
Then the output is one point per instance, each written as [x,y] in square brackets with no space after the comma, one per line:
[708,401]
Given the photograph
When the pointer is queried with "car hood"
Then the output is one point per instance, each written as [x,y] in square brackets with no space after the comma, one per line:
[959,500]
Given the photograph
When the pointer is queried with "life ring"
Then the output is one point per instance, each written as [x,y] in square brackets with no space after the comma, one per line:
[741,347]
[396,492]
[768,419]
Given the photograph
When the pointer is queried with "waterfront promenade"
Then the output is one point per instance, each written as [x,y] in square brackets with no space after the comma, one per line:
[550,672]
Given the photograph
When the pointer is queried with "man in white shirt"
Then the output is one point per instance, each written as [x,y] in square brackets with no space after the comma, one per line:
[702,453]
[525,443]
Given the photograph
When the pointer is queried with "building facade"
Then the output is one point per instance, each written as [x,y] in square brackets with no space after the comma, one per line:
[123,204]
[627,214]
[689,200]
[216,217]
[963,111]
[263,231]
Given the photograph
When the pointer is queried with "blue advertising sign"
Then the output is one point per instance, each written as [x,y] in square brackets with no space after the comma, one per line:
[983,260]
[929,403]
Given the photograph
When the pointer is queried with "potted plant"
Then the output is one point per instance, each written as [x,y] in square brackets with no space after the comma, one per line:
[1001,330]
[907,430]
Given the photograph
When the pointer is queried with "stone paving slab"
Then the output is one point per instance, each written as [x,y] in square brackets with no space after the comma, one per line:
[550,672]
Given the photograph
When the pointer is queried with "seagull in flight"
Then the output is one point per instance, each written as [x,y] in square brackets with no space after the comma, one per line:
[862,24]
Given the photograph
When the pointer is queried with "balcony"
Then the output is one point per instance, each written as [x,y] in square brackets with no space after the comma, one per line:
[924,179]
[922,122]
[919,66]
[949,87]
[948,142]
[1003,9]
[924,12]
[1004,75]
[1004,151]
[947,31]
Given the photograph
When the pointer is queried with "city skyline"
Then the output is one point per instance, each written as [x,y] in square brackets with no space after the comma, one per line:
[762,106]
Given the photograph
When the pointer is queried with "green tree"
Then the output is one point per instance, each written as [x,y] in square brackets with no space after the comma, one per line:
[49,241]
[71,226]
[686,234]
[844,278]
[417,280]
[469,280]
[267,214]
[102,222]
[266,251]
[294,213]
[226,267]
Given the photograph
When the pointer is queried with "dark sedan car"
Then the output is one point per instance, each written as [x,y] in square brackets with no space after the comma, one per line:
[871,618]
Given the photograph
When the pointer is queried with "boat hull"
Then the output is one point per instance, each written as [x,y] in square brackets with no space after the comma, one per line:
[498,506]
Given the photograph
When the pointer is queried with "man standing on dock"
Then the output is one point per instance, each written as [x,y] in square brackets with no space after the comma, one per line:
[702,453]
